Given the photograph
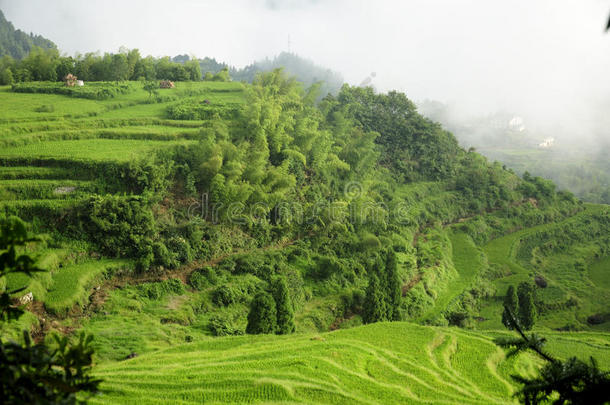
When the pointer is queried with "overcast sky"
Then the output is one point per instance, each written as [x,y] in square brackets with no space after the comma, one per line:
[542,58]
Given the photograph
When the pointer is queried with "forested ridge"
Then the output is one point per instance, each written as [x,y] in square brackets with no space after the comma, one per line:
[16,43]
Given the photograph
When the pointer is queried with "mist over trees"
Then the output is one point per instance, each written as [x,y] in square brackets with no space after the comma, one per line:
[305,70]
[575,158]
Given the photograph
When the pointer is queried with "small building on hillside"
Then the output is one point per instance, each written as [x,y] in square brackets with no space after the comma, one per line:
[70,80]
[547,143]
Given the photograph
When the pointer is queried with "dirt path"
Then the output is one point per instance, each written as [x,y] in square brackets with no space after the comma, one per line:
[99,294]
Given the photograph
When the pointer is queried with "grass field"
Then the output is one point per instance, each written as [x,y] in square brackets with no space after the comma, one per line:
[375,364]
[468,261]
[70,283]
[119,150]
[588,289]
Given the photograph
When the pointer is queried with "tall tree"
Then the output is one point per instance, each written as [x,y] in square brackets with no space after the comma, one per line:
[393,290]
[527,308]
[193,69]
[262,317]
[283,304]
[375,309]
[510,304]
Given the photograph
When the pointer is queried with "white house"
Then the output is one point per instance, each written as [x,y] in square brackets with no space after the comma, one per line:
[547,143]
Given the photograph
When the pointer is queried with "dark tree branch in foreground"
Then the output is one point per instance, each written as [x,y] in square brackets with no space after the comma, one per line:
[562,382]
[37,373]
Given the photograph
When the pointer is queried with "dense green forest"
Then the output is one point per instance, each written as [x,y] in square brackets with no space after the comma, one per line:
[172,220]
[41,64]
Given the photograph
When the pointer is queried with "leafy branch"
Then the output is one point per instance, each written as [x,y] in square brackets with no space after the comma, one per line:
[562,382]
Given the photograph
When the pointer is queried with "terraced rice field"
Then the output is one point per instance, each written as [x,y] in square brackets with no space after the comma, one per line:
[43,151]
[69,286]
[468,261]
[374,364]
[589,289]
[51,149]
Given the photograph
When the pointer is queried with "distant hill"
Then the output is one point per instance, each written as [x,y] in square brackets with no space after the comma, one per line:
[305,70]
[17,43]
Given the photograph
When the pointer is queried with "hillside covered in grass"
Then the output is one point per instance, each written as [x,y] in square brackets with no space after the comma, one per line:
[166,214]
[375,364]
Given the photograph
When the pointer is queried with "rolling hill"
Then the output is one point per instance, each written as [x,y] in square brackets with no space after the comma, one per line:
[375,364]
[163,214]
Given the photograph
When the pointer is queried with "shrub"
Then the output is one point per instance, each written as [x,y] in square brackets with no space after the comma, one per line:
[173,286]
[370,242]
[92,91]
[224,296]
[47,108]
[199,279]
[352,301]
[374,304]
[283,304]
[510,304]
[155,291]
[220,325]
[210,274]
[163,257]
[263,315]
[181,249]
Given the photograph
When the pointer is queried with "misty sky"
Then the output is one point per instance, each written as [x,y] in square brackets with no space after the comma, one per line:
[546,59]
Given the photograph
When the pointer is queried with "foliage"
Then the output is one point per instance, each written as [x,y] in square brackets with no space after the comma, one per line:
[223,326]
[304,70]
[16,43]
[416,148]
[393,290]
[383,295]
[527,309]
[374,307]
[283,305]
[201,278]
[152,88]
[92,91]
[262,317]
[510,306]
[221,76]
[37,373]
[224,296]
[564,382]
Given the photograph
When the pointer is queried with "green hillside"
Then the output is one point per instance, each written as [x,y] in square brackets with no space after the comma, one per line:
[166,215]
[376,364]
[16,43]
